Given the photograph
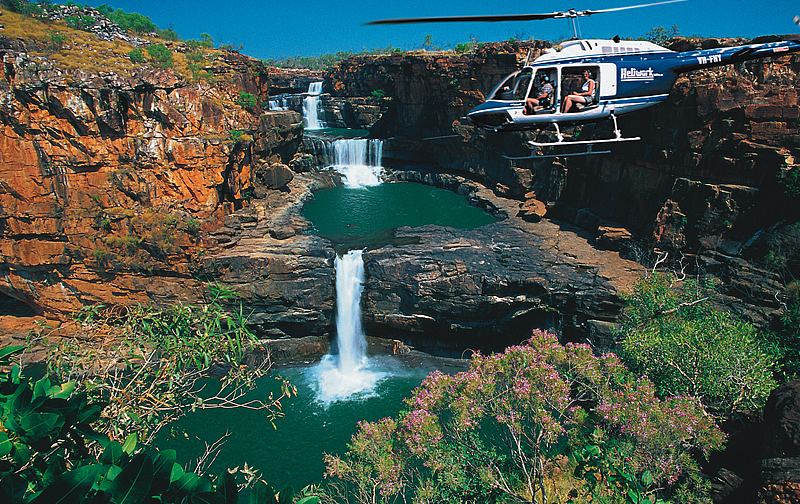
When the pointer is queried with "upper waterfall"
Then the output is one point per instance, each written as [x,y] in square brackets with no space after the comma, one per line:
[311,106]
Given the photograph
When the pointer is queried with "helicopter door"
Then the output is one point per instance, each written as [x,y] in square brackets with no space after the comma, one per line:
[545,82]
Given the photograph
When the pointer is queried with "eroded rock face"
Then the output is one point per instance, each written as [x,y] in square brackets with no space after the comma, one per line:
[110,184]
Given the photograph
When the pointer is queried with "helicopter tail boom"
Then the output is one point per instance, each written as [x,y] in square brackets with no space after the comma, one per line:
[706,58]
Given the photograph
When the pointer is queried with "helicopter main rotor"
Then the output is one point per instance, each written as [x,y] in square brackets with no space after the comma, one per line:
[571,14]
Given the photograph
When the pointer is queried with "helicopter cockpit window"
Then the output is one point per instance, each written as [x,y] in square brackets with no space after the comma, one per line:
[522,84]
[513,87]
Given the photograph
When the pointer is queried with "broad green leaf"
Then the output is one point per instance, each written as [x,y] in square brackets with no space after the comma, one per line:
[40,425]
[69,487]
[262,493]
[188,484]
[63,391]
[41,387]
[132,485]
[12,488]
[6,352]
[647,478]
[130,443]
[108,478]
[112,454]
[5,444]
[286,496]
[226,486]
[163,464]
[207,498]
[312,499]
[176,473]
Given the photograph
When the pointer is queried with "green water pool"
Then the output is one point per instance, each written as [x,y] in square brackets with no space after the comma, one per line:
[366,215]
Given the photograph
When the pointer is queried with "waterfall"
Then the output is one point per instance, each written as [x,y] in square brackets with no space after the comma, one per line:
[311,106]
[358,160]
[347,374]
[349,286]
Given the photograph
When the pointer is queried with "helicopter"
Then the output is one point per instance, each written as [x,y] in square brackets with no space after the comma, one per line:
[628,75]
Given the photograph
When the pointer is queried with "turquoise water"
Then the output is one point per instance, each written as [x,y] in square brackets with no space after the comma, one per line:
[366,215]
[293,452]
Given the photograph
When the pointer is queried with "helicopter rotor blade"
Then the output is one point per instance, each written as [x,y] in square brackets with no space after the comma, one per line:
[509,17]
[467,19]
[613,9]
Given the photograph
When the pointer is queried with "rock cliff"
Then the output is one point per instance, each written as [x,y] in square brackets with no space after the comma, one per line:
[116,188]
[713,181]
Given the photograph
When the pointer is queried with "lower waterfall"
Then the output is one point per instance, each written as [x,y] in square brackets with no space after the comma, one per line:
[347,373]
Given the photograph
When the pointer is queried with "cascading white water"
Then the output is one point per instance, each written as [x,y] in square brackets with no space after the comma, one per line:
[359,161]
[348,373]
[311,106]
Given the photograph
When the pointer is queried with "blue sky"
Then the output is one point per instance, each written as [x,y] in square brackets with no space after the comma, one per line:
[276,29]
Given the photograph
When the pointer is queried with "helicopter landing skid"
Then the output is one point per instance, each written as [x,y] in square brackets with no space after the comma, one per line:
[561,142]
[587,152]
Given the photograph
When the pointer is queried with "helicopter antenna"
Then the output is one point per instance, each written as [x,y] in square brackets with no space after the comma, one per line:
[571,14]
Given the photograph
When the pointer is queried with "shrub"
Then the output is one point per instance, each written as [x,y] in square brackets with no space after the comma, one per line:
[137,55]
[128,21]
[162,57]
[246,100]
[57,40]
[496,433]
[80,22]
[673,333]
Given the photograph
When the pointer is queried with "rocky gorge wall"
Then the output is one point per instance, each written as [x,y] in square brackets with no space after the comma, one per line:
[118,188]
[712,182]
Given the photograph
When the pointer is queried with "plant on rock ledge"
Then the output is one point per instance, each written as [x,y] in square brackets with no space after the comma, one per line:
[154,366]
[539,422]
[673,334]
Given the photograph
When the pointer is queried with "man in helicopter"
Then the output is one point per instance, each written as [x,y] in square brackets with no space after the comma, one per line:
[543,96]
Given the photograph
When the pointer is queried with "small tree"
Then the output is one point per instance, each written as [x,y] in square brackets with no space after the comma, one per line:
[499,431]
[161,55]
[673,334]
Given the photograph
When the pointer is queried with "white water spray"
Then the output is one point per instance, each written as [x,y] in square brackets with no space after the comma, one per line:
[311,106]
[348,374]
[359,161]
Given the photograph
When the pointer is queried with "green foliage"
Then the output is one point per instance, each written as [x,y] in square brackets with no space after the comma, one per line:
[128,21]
[46,454]
[80,22]
[494,433]
[34,9]
[673,334]
[137,55]
[791,184]
[57,40]
[246,100]
[153,374]
[378,93]
[659,35]
[326,61]
[464,47]
[787,338]
[161,55]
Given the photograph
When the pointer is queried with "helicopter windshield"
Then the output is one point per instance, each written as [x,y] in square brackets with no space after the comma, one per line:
[514,86]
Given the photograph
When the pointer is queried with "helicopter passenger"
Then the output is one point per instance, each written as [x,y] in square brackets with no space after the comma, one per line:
[585,95]
[543,98]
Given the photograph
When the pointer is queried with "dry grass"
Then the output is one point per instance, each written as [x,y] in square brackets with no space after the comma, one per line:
[81,50]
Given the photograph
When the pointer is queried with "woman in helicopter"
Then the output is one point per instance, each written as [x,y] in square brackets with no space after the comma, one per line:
[585,95]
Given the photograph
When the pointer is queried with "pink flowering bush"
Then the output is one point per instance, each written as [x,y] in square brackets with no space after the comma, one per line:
[493,433]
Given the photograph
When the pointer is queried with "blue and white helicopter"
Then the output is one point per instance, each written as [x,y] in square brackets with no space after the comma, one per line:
[627,75]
